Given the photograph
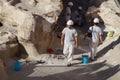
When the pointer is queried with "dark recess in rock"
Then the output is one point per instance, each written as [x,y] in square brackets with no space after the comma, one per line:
[14,2]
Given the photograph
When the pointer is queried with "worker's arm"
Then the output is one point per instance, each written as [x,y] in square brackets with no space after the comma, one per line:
[101,36]
[101,39]
[76,41]
[62,39]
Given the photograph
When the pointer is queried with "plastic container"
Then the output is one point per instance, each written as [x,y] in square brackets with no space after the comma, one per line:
[17,65]
[110,33]
[85,59]
[59,51]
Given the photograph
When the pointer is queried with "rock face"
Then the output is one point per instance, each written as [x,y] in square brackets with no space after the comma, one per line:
[32,21]
[108,11]
[8,45]
[108,14]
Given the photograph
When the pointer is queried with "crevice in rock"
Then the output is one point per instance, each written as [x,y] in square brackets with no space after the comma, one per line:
[117,3]
[1,24]
[3,33]
[14,2]
[8,0]
[96,3]
[25,9]
[36,2]
[118,14]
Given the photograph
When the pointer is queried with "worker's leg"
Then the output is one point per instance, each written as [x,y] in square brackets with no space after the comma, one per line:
[66,50]
[71,51]
[95,49]
[91,45]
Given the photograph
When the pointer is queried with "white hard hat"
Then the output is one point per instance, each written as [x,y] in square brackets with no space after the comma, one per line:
[96,20]
[80,8]
[70,3]
[70,22]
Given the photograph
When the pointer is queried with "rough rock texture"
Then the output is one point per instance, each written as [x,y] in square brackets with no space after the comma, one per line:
[108,11]
[9,48]
[8,45]
[32,21]
[28,28]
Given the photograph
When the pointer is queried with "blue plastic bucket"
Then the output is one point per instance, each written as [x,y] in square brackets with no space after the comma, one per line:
[85,59]
[17,65]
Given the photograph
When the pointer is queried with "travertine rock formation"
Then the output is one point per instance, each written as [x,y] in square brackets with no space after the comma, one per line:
[108,11]
[31,21]
[8,45]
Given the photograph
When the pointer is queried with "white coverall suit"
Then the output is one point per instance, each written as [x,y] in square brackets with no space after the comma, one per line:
[94,41]
[69,42]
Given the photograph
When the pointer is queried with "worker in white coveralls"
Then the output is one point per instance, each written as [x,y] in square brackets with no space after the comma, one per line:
[68,13]
[69,40]
[95,38]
